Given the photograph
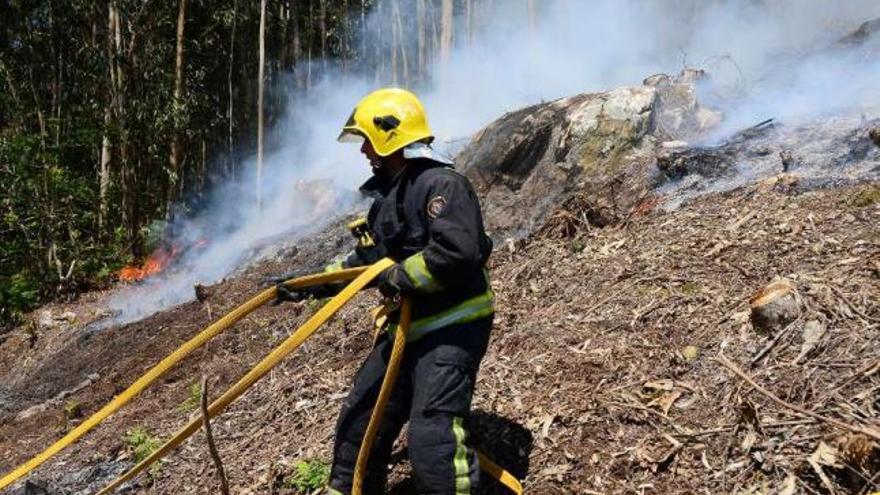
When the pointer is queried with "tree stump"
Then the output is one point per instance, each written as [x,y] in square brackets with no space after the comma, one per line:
[874,134]
[203,292]
[774,306]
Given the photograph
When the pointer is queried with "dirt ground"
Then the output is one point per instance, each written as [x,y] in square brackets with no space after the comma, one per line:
[604,374]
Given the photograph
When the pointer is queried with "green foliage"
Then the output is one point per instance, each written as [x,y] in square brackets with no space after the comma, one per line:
[866,197]
[140,442]
[153,234]
[308,476]
[48,224]
[72,410]
[314,304]
[577,245]
[690,288]
[18,293]
[193,398]
[60,234]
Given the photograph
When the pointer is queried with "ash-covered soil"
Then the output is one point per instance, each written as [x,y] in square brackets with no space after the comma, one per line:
[601,377]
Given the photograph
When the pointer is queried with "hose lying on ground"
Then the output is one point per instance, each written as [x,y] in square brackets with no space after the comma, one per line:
[260,370]
[163,366]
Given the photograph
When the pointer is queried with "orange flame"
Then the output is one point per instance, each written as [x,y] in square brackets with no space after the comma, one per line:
[156,263]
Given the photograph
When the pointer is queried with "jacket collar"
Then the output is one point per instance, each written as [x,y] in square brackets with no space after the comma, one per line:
[376,186]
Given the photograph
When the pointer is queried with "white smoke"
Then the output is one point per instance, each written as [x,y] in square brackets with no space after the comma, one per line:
[766,59]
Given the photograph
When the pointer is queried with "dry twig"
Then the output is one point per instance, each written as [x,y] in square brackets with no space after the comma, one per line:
[825,419]
[770,345]
[865,318]
[212,448]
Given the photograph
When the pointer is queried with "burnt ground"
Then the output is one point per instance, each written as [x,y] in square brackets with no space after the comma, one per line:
[587,388]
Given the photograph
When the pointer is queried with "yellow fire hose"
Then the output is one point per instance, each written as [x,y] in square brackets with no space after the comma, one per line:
[382,400]
[260,370]
[163,366]
[362,276]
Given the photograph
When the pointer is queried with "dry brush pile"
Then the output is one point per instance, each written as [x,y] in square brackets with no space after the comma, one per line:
[619,347]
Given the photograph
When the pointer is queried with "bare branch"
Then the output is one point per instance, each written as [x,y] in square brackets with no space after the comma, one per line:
[825,419]
[224,485]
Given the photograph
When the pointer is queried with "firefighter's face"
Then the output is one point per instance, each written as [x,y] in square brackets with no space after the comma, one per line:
[372,156]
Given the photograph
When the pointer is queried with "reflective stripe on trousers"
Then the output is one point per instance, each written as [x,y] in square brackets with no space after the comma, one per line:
[462,467]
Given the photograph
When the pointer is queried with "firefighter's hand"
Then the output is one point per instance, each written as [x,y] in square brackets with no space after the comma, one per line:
[393,281]
[283,294]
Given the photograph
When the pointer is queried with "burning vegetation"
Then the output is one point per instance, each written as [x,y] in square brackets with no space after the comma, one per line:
[160,260]
[157,262]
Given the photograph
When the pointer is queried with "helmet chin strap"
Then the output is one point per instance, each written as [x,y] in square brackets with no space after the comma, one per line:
[385,171]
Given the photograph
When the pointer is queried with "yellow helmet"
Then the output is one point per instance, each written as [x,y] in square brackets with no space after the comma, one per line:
[391,118]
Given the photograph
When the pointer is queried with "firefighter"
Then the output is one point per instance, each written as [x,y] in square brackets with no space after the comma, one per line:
[426,217]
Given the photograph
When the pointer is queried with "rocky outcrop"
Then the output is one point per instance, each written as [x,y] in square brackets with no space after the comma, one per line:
[868,31]
[632,148]
[601,144]
[827,153]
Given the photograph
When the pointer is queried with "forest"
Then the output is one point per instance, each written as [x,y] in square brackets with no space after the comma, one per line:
[118,116]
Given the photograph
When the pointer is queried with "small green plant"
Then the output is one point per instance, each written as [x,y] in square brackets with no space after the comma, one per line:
[308,476]
[576,245]
[690,288]
[314,304]
[72,410]
[193,397]
[866,197]
[141,443]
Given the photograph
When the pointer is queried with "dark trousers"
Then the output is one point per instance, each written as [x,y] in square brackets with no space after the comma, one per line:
[433,392]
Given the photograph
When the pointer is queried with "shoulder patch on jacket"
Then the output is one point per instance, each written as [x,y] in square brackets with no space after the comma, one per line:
[436,206]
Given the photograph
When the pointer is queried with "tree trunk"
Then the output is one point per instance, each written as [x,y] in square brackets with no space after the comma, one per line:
[175,182]
[322,24]
[532,17]
[311,43]
[126,170]
[343,37]
[55,105]
[230,151]
[58,97]
[296,42]
[380,43]
[106,146]
[104,175]
[401,42]
[469,20]
[203,169]
[435,33]
[41,120]
[395,42]
[260,89]
[284,18]
[446,28]
[363,32]
[421,63]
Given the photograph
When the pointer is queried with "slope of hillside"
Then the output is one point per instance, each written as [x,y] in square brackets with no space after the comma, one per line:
[633,258]
[587,387]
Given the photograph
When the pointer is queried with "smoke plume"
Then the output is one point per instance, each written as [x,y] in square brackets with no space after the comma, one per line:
[766,59]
